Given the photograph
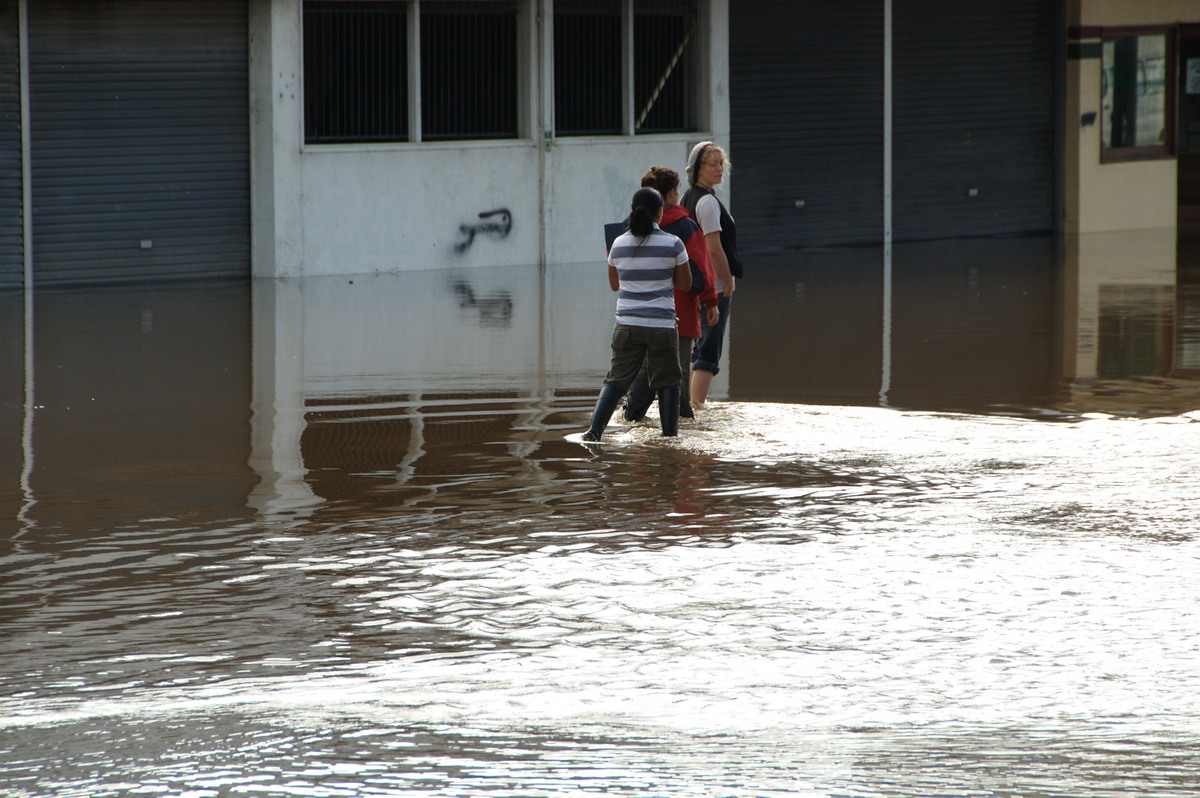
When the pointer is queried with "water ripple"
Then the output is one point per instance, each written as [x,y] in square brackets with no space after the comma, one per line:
[847,602]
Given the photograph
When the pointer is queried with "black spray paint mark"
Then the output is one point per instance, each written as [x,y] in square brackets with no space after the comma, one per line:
[494,311]
[500,228]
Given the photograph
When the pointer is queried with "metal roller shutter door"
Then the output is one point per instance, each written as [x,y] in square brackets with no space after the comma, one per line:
[806,104]
[140,129]
[975,133]
[12,259]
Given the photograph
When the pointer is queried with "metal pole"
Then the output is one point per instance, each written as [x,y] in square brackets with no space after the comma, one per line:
[886,376]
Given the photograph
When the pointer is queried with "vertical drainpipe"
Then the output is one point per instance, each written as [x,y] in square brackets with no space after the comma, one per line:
[541,85]
[413,43]
[886,376]
[628,121]
[27,252]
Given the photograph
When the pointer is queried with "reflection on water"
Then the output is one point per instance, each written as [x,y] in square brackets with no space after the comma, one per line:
[338,537]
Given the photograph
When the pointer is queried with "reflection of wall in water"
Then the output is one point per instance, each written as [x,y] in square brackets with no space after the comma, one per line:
[1136,331]
[972,322]
[486,329]
[141,404]
[1118,304]
[359,382]
[806,327]
[394,450]
[1187,303]
[974,319]
[12,400]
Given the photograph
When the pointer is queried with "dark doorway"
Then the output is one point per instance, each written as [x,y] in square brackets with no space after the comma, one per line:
[1189,129]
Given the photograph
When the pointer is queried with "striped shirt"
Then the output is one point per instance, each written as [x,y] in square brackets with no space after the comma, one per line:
[646,269]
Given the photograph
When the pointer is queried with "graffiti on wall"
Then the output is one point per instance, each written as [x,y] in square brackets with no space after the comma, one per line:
[496,223]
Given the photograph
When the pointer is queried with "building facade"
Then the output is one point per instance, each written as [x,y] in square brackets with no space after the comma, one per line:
[149,139]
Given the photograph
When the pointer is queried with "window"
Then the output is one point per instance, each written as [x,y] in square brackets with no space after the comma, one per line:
[592,86]
[468,69]
[1135,96]
[664,40]
[355,72]
[450,70]
[359,79]
[587,68]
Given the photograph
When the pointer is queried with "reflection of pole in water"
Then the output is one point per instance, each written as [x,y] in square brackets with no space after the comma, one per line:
[28,499]
[406,469]
[885,377]
[27,247]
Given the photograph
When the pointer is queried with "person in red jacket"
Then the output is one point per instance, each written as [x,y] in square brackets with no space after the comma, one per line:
[689,305]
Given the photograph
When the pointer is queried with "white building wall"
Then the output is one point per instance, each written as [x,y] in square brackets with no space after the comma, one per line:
[392,208]
[418,207]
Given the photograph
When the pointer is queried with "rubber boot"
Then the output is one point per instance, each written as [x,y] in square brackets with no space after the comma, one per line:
[606,405]
[668,410]
[639,398]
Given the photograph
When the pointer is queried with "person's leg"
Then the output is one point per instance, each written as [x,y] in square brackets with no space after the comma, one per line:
[640,397]
[706,357]
[699,385]
[606,405]
[668,410]
[627,358]
[685,364]
[665,377]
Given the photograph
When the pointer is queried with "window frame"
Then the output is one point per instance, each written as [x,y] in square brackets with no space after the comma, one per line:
[535,103]
[628,80]
[526,13]
[1165,150]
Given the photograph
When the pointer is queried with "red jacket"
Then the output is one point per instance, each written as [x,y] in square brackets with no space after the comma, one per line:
[688,305]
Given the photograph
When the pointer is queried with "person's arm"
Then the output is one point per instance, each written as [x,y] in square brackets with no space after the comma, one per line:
[614,279]
[683,276]
[716,254]
[697,249]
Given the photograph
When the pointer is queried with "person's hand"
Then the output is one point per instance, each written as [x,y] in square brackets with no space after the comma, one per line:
[712,315]
[728,286]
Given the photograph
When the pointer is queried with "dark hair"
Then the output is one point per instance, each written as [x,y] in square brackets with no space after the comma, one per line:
[643,210]
[661,179]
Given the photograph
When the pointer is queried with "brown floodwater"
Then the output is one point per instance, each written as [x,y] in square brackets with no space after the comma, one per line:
[935,535]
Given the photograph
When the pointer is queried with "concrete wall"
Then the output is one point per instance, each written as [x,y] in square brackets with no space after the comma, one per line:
[402,207]
[1138,12]
[1114,196]
[1130,195]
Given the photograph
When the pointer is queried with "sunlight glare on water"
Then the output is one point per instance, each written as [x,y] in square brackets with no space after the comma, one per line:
[906,596]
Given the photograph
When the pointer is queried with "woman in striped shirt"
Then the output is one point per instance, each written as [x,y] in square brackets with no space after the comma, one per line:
[644,266]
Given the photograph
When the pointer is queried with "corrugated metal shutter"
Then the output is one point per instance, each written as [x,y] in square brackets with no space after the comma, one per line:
[806,105]
[140,127]
[974,110]
[12,263]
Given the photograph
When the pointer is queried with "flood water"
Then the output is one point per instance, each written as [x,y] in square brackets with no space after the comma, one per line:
[936,535]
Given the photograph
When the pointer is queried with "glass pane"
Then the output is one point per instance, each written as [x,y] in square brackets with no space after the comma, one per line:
[587,67]
[664,54]
[1134,91]
[469,66]
[355,72]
